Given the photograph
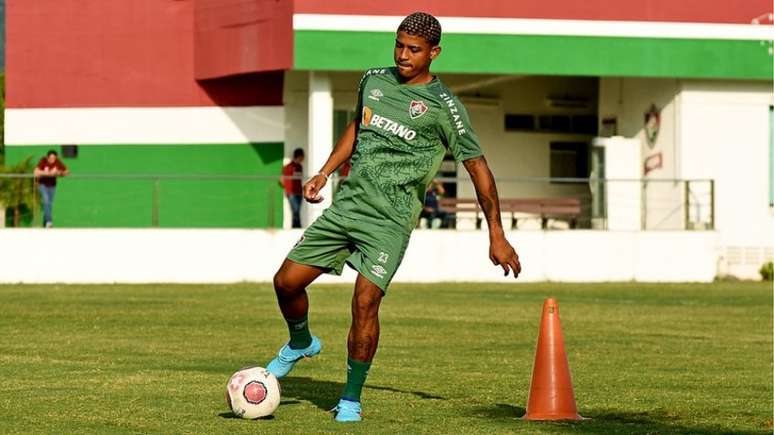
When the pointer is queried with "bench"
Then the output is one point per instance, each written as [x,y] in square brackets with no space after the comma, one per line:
[563,208]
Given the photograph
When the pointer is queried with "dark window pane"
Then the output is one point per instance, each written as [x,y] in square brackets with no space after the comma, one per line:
[569,160]
[584,124]
[555,123]
[519,122]
[69,151]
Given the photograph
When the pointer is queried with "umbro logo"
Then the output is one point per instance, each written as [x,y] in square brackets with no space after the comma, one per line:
[376,94]
[378,270]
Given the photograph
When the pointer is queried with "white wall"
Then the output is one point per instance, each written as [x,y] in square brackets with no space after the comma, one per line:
[160,125]
[627,100]
[624,195]
[709,130]
[724,135]
[214,256]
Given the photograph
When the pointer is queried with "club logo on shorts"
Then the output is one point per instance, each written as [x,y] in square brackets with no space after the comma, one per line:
[417,109]
[378,270]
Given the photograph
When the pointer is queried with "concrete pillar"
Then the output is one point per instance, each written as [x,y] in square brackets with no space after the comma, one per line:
[320,138]
[624,188]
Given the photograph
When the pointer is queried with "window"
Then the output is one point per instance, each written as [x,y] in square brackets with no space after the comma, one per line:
[516,122]
[563,124]
[584,124]
[569,159]
[555,123]
[69,151]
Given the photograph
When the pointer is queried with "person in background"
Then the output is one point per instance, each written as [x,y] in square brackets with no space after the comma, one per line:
[291,181]
[345,168]
[46,173]
[343,172]
[432,208]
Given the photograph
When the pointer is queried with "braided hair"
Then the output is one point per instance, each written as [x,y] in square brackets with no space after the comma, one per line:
[424,25]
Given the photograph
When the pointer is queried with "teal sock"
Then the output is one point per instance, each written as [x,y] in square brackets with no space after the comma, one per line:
[357,371]
[299,333]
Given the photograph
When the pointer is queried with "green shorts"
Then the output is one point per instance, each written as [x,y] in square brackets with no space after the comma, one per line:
[375,251]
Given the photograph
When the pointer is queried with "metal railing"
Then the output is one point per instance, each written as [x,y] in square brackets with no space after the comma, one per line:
[254,201]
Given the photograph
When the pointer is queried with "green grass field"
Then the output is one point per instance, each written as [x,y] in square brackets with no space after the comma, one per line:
[453,358]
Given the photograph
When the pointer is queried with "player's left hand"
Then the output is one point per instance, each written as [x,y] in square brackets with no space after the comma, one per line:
[502,253]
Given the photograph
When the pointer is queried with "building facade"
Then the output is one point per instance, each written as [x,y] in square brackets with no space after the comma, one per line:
[169,93]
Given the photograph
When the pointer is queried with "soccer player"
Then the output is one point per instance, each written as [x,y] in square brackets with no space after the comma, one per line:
[406,119]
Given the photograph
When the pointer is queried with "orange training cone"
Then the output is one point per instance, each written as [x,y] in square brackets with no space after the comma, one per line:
[550,394]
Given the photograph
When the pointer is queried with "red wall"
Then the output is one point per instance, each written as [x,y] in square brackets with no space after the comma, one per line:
[98,53]
[710,11]
[234,36]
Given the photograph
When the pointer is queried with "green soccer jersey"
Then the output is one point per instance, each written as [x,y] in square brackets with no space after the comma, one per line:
[402,135]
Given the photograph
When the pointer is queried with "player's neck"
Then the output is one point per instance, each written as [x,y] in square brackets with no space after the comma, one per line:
[419,79]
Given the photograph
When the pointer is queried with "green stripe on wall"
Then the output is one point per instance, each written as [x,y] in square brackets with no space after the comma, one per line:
[546,55]
[169,203]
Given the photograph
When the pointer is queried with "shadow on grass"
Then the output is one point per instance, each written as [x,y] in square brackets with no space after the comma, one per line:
[231,415]
[500,411]
[604,421]
[289,402]
[325,394]
[420,394]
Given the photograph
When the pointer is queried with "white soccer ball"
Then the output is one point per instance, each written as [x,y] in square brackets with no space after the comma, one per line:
[253,393]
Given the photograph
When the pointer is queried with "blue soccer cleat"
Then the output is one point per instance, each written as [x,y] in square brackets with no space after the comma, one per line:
[348,411]
[286,358]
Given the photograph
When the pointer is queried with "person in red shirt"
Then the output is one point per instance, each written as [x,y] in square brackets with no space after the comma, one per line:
[345,168]
[291,181]
[47,171]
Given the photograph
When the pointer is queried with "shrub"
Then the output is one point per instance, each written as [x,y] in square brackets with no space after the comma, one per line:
[767,271]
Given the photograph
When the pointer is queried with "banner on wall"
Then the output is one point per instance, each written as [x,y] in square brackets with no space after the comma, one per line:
[652,160]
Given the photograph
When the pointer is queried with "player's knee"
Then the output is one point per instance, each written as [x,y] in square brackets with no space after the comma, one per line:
[367,304]
[283,286]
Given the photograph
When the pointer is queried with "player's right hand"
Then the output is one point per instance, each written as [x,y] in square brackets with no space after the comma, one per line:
[312,188]
[502,254]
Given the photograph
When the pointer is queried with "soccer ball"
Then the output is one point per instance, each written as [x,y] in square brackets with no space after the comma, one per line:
[253,393]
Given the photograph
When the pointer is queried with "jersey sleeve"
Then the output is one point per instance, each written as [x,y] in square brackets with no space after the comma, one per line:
[457,132]
[359,107]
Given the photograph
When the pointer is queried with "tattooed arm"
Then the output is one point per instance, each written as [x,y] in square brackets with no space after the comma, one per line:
[500,251]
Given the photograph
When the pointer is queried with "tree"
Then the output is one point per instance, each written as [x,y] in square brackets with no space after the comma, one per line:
[18,193]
